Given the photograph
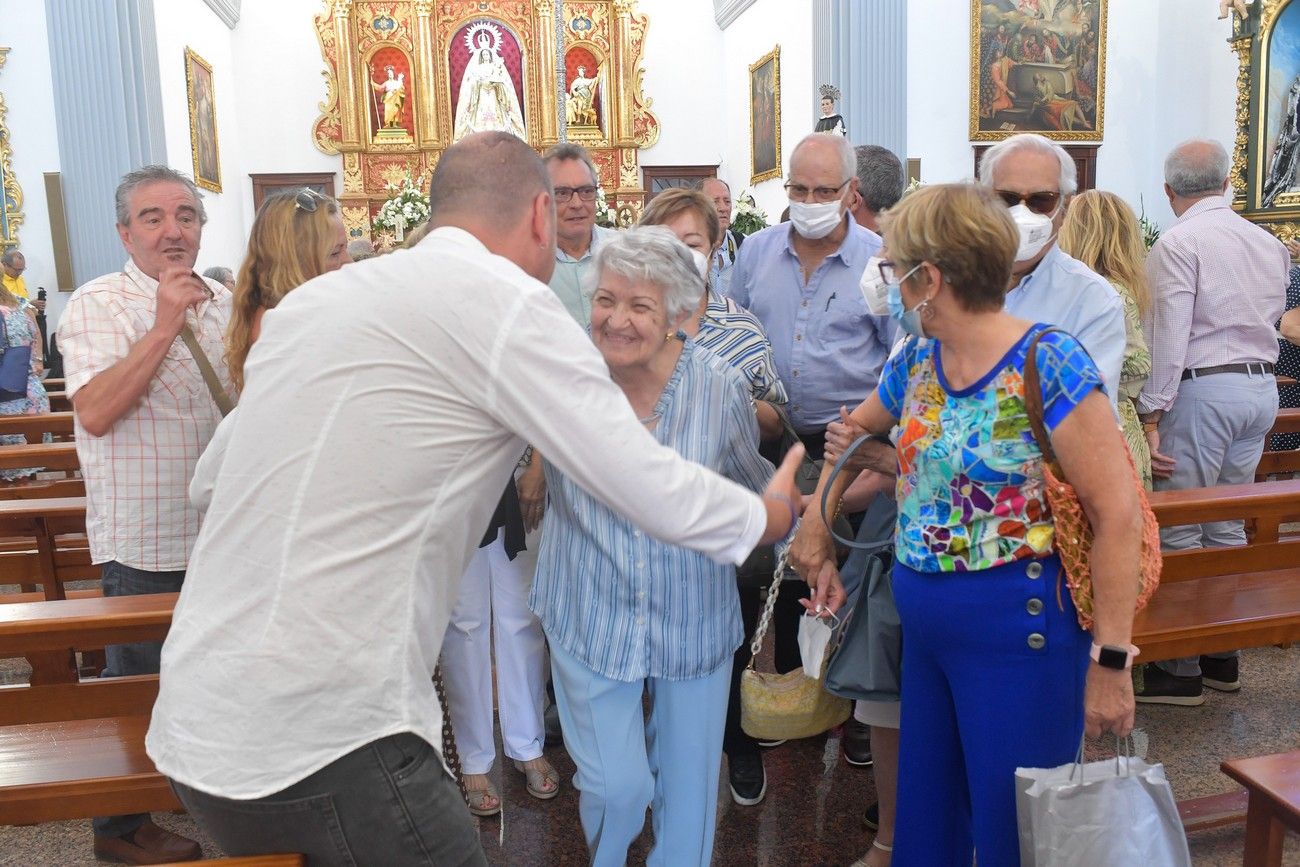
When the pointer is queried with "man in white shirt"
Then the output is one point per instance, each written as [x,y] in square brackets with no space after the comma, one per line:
[296,711]
[143,416]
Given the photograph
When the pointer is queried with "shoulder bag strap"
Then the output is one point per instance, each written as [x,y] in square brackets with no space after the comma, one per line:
[219,396]
[1034,398]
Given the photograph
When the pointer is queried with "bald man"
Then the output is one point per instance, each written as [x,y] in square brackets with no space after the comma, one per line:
[343,500]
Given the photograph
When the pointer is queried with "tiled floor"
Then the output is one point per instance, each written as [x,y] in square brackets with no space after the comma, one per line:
[811,814]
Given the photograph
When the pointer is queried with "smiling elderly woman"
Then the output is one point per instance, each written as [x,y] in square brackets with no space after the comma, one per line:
[626,614]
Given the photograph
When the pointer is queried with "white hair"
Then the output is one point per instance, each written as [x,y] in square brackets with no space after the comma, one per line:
[1069,182]
[653,255]
[848,159]
[1197,166]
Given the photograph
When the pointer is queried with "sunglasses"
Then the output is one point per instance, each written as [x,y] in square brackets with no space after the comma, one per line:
[1040,203]
[307,198]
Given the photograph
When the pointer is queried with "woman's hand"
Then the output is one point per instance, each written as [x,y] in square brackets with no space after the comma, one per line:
[782,498]
[827,591]
[1107,701]
[840,435]
[811,546]
[531,485]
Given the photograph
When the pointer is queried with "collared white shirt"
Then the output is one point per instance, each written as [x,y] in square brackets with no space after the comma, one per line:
[138,511]
[351,488]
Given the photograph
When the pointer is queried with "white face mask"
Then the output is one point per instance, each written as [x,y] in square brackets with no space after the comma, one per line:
[1035,230]
[701,263]
[874,290]
[815,221]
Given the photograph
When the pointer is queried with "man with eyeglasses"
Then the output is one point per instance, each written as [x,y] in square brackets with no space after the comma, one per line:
[1036,178]
[801,280]
[577,237]
[144,415]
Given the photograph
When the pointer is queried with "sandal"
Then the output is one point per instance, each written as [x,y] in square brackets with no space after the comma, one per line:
[478,797]
[543,780]
[875,844]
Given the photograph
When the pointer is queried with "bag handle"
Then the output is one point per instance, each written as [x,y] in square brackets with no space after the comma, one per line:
[876,545]
[778,574]
[219,396]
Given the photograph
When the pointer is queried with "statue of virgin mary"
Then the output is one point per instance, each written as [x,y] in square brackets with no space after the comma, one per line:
[487,100]
[1286,154]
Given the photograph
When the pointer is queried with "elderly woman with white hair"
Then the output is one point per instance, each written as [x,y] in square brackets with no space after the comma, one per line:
[628,615]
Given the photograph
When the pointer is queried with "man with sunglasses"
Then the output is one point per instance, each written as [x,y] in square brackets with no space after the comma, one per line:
[144,415]
[1036,178]
[577,237]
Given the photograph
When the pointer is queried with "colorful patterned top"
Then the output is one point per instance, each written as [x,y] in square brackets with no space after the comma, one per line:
[970,484]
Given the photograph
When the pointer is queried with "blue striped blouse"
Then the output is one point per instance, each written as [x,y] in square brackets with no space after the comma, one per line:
[626,605]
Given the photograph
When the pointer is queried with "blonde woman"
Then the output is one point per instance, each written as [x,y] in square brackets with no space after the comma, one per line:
[295,237]
[1102,232]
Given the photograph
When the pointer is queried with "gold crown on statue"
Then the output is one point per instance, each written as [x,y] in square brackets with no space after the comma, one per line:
[831,92]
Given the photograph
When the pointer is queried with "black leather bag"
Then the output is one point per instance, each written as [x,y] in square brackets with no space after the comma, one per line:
[757,570]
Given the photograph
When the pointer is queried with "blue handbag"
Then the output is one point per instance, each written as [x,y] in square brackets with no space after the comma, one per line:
[15,366]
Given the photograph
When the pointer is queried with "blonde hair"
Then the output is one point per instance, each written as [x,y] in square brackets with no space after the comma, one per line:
[287,246]
[1102,232]
[671,202]
[965,230]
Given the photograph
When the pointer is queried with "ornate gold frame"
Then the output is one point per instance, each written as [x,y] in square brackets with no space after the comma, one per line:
[775,172]
[11,193]
[191,60]
[976,134]
[613,30]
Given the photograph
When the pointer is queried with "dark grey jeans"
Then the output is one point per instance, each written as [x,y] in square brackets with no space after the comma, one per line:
[140,658]
[387,803]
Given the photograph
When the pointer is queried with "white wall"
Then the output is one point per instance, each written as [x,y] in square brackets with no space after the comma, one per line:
[190,23]
[938,89]
[25,83]
[682,61]
[765,24]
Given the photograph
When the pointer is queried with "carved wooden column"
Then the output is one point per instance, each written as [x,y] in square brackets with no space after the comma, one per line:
[426,118]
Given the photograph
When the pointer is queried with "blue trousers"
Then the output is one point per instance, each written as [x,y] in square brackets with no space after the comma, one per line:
[143,657]
[993,672]
[669,762]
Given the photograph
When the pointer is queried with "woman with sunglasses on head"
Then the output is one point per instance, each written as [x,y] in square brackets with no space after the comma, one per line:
[996,674]
[295,237]
[1102,232]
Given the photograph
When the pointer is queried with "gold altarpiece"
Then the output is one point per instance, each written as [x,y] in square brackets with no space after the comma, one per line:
[407,78]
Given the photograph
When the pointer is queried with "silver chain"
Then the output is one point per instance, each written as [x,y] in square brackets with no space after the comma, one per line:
[782,563]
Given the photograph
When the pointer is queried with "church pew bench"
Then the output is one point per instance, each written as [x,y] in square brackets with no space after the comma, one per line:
[59,401]
[51,456]
[1218,599]
[54,383]
[59,424]
[1273,803]
[75,749]
[49,532]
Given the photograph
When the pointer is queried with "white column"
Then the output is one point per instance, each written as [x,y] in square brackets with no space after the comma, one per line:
[108,110]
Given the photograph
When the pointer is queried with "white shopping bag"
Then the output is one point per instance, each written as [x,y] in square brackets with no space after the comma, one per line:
[1118,812]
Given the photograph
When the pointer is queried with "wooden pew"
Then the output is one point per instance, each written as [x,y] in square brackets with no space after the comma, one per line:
[1273,784]
[75,749]
[54,383]
[59,401]
[33,426]
[1219,599]
[46,543]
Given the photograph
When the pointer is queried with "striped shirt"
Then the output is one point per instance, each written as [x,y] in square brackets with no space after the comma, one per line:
[138,510]
[1219,284]
[628,606]
[736,336]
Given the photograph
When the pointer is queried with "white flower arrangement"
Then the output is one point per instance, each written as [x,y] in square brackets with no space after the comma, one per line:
[748,217]
[405,209]
[604,214]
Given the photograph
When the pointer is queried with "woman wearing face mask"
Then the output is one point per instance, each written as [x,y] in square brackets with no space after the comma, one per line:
[627,615]
[996,674]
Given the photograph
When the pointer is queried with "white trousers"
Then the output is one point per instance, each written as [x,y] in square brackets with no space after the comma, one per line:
[492,615]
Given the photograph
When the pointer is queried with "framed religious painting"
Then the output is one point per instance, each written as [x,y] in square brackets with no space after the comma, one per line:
[1272,92]
[203,122]
[1037,66]
[765,117]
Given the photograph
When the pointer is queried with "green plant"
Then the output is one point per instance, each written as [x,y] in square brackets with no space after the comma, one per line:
[406,208]
[1150,230]
[748,217]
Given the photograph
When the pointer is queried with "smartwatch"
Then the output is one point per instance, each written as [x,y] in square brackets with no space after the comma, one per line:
[1110,656]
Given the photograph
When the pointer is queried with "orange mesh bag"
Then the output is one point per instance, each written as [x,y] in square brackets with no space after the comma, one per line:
[1073,533]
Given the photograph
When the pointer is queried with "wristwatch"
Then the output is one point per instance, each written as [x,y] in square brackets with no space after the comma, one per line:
[1110,656]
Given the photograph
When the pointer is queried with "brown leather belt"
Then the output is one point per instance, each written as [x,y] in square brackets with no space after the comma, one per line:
[1260,367]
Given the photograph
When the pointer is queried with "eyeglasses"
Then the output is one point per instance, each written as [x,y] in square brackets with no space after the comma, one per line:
[563,194]
[1043,202]
[889,270]
[307,199]
[800,193]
